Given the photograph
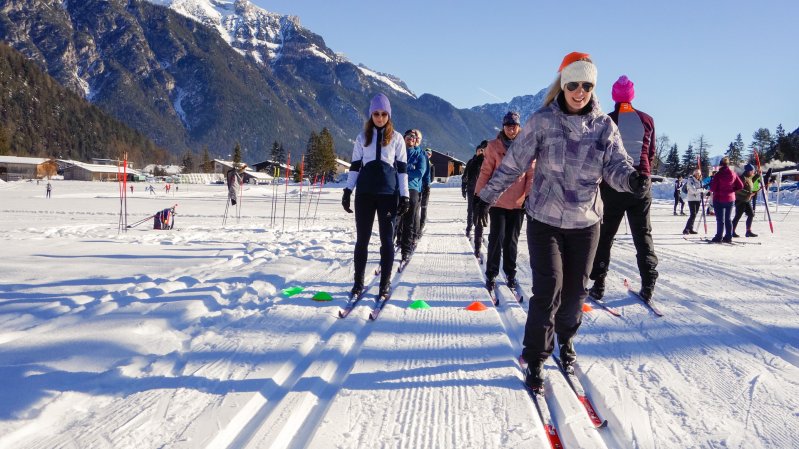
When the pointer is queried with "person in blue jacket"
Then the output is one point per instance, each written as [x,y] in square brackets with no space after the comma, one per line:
[417,169]
[379,175]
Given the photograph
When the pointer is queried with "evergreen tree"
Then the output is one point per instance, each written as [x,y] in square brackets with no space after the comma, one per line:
[662,145]
[702,150]
[312,156]
[787,145]
[736,151]
[327,152]
[672,167]
[779,141]
[5,142]
[762,142]
[237,155]
[207,164]
[188,162]
[278,153]
[688,161]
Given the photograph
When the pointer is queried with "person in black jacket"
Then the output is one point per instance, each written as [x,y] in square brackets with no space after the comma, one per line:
[379,173]
[468,182]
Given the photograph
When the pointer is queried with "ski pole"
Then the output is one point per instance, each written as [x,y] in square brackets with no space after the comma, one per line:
[310,198]
[286,192]
[299,203]
[763,190]
[318,195]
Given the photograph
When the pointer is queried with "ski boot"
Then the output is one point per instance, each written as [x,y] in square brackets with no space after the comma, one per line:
[750,234]
[568,356]
[533,374]
[597,291]
[385,291]
[512,283]
[490,284]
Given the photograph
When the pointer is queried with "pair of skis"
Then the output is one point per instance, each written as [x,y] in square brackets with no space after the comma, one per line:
[649,303]
[381,300]
[734,242]
[539,399]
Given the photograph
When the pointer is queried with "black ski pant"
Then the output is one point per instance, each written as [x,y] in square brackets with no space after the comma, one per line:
[503,240]
[741,208]
[693,208]
[560,260]
[366,206]
[469,209]
[617,204]
[677,200]
[424,199]
[410,223]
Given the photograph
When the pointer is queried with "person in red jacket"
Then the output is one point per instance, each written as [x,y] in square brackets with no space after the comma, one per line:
[507,213]
[638,135]
[724,185]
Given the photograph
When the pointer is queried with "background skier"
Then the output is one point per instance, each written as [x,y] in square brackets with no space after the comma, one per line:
[637,131]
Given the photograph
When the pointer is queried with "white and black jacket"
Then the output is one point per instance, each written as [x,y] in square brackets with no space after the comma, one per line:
[384,175]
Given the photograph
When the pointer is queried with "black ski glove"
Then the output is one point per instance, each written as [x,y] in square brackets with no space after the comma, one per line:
[404,205]
[463,191]
[480,212]
[345,200]
[639,184]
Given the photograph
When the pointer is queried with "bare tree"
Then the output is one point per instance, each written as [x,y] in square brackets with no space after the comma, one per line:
[662,147]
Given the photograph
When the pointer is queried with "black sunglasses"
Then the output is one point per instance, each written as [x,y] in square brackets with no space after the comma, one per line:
[571,87]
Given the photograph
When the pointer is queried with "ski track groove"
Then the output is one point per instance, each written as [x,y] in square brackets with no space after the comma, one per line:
[704,363]
[150,403]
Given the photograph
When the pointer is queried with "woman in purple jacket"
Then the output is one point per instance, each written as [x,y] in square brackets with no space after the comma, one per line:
[723,187]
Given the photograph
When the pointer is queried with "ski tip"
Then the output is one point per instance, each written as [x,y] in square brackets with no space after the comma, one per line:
[602,425]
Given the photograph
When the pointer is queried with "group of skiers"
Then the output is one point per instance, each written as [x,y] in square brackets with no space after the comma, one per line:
[558,170]
[572,170]
[726,189]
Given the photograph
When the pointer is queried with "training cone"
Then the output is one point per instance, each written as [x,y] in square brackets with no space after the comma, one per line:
[291,291]
[587,308]
[419,304]
[476,306]
[322,296]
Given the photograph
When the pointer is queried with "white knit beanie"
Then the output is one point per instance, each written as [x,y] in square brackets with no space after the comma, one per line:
[578,71]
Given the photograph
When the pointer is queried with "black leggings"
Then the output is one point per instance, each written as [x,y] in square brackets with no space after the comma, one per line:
[366,206]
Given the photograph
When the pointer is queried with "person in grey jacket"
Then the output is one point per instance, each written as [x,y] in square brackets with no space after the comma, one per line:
[576,146]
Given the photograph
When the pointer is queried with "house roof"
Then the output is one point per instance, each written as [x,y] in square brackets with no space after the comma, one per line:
[22,160]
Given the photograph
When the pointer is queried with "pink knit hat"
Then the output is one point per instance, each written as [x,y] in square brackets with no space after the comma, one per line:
[623,90]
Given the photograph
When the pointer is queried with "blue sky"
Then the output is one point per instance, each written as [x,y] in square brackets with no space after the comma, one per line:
[700,67]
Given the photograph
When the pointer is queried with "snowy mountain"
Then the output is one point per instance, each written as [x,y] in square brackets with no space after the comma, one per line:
[210,73]
[525,105]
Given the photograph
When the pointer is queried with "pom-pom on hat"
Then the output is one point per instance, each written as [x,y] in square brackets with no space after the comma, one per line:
[623,90]
[380,103]
[575,69]
[511,118]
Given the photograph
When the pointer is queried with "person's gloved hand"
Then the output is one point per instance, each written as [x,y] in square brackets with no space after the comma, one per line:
[345,200]
[480,212]
[404,205]
[426,190]
[639,184]
[463,191]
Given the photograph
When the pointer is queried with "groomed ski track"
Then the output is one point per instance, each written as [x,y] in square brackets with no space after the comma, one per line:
[226,361]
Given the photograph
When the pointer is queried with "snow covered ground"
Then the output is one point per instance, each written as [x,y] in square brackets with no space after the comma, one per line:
[183,339]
